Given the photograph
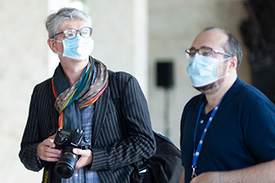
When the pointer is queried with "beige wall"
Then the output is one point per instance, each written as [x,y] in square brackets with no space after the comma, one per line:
[120,34]
[171,27]
[23,63]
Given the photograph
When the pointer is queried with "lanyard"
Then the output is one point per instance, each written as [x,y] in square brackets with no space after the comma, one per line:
[196,151]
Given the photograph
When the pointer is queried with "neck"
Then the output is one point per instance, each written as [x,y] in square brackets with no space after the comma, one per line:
[213,99]
[73,69]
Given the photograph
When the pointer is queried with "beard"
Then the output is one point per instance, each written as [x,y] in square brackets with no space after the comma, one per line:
[211,88]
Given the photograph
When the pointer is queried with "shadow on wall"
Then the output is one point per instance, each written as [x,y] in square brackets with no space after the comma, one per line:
[259,36]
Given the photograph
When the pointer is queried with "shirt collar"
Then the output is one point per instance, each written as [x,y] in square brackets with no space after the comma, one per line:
[229,95]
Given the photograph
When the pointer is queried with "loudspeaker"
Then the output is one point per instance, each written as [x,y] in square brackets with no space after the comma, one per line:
[164,74]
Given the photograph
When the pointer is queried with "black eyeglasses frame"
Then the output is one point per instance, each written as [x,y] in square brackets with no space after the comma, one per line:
[77,30]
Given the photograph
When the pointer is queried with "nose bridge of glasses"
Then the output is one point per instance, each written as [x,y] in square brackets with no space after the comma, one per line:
[199,51]
[195,51]
[77,31]
[190,53]
[204,51]
[74,32]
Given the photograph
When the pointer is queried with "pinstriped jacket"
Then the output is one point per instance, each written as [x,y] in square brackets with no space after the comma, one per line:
[119,140]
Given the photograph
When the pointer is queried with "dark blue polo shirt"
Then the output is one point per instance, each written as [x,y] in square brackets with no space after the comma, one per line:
[242,133]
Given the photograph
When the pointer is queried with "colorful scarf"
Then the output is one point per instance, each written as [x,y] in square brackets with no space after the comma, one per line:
[70,99]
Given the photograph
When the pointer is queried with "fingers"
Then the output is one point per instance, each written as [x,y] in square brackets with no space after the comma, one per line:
[46,151]
[81,152]
[49,143]
[52,137]
[85,159]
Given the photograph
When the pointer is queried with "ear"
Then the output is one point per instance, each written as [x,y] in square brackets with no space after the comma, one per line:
[233,63]
[52,45]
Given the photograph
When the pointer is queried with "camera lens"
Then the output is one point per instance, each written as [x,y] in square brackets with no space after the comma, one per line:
[64,172]
[64,168]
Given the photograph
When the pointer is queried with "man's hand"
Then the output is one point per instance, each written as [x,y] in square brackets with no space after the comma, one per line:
[86,157]
[209,177]
[46,150]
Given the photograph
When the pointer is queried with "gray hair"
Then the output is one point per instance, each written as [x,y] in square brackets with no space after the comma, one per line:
[60,19]
[232,46]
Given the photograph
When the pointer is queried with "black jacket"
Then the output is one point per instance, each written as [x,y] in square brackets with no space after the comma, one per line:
[116,144]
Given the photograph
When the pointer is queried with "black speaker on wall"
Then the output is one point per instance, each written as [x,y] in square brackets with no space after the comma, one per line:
[164,74]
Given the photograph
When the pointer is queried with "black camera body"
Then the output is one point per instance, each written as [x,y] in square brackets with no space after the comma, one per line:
[66,141]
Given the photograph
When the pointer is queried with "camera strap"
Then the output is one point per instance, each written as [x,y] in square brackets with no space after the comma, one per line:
[48,174]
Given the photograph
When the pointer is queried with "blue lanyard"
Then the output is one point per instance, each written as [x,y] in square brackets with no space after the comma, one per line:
[196,151]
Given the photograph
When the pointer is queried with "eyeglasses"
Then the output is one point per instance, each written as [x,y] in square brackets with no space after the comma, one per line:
[71,33]
[204,51]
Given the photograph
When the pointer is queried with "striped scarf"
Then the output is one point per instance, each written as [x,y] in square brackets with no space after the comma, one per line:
[70,99]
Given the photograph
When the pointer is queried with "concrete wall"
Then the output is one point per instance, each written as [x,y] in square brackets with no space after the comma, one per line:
[125,32]
[23,64]
[120,34]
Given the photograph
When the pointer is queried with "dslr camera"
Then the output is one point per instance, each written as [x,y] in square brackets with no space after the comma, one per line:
[66,141]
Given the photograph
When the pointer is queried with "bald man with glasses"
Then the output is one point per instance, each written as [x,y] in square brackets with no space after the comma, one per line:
[227,131]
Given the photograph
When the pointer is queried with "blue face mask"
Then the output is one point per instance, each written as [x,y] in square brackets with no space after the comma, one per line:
[202,70]
[78,48]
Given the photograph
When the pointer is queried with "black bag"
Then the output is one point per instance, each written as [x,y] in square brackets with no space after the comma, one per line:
[165,165]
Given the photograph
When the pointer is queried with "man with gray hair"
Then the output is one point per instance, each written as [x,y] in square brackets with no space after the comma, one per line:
[228,131]
[75,129]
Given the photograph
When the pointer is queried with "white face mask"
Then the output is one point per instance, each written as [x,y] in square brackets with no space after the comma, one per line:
[202,70]
[77,48]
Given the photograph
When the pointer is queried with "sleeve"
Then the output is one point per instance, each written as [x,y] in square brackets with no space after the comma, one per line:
[186,131]
[139,141]
[30,140]
[182,122]
[259,129]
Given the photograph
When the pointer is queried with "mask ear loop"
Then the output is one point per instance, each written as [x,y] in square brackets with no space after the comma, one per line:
[58,52]
[224,76]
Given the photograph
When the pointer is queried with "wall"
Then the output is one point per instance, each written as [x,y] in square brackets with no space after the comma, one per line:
[120,35]
[23,64]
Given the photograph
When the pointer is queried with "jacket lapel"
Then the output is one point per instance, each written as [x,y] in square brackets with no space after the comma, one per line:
[99,114]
